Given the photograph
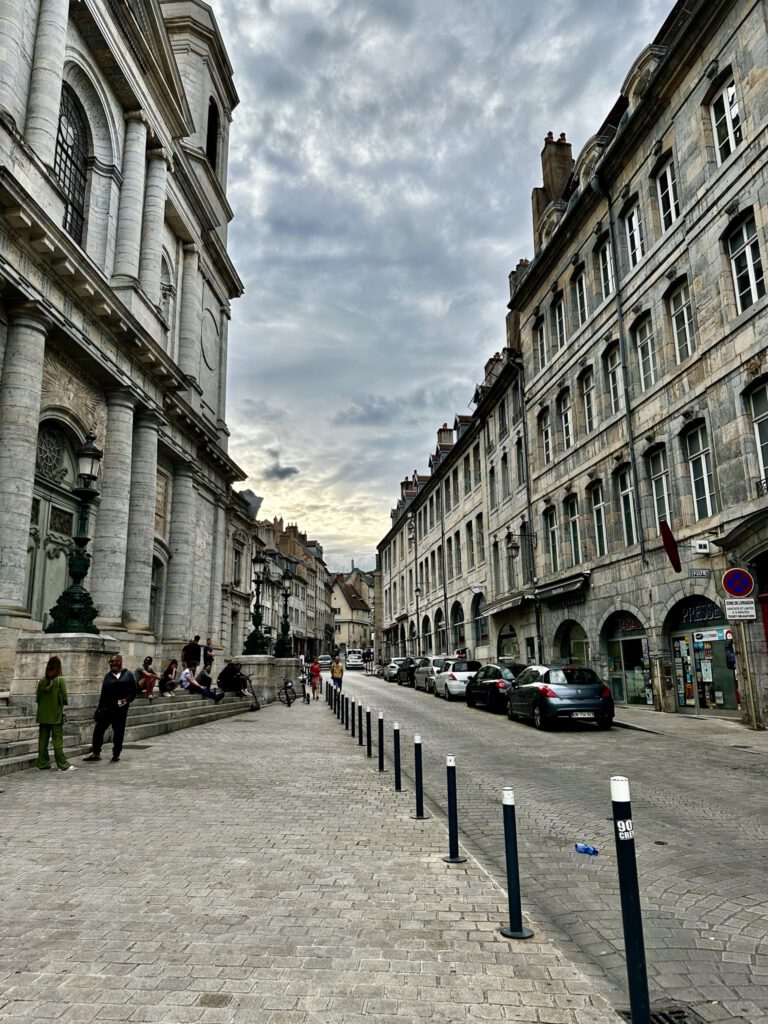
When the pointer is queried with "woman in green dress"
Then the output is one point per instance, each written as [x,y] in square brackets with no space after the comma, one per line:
[51,701]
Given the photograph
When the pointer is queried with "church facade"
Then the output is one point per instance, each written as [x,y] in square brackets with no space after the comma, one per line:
[115,291]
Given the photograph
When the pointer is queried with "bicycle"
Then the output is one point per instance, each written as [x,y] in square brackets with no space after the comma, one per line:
[287,693]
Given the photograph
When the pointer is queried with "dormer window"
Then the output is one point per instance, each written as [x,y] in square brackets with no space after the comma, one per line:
[212,134]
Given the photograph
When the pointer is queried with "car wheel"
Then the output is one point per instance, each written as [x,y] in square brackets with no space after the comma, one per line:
[604,723]
[539,718]
[510,713]
[448,694]
[399,681]
[470,701]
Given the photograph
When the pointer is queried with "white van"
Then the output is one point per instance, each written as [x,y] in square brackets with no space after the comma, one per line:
[354,658]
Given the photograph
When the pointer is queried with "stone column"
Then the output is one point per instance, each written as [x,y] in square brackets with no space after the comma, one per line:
[181,568]
[190,313]
[11,12]
[20,387]
[44,100]
[128,242]
[217,569]
[110,540]
[225,317]
[141,522]
[152,227]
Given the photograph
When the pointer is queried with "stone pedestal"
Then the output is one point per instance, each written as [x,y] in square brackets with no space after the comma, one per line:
[83,661]
[267,674]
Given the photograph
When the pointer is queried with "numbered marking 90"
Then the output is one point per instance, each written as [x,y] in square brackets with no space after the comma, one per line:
[625,829]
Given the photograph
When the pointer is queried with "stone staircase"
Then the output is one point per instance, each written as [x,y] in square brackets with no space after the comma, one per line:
[18,730]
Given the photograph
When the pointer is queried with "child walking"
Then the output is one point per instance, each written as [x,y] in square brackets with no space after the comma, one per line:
[51,700]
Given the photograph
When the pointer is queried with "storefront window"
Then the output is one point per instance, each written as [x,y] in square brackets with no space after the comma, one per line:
[703,657]
[629,663]
[508,646]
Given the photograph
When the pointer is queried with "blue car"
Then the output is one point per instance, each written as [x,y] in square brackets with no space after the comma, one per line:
[545,694]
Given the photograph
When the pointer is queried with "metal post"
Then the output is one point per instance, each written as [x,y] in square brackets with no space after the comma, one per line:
[624,835]
[516,929]
[396,742]
[346,714]
[368,749]
[353,717]
[359,725]
[381,742]
[453,817]
[419,815]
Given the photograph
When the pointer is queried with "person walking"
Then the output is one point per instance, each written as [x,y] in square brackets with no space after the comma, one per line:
[51,700]
[337,672]
[168,681]
[315,679]
[117,692]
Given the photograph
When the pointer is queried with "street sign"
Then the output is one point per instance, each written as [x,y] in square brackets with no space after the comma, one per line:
[699,574]
[740,608]
[738,583]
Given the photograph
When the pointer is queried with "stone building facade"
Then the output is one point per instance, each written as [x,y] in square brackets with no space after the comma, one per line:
[115,290]
[615,464]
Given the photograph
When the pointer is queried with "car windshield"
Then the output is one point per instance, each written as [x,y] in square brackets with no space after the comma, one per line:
[438,664]
[465,666]
[507,675]
[573,677]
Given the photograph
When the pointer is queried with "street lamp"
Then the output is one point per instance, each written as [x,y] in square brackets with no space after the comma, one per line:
[525,542]
[74,611]
[417,592]
[283,645]
[256,642]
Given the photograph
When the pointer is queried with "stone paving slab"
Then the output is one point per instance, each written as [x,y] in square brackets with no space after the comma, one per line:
[256,869]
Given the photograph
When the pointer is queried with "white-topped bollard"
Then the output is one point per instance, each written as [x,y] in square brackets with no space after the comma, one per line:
[516,929]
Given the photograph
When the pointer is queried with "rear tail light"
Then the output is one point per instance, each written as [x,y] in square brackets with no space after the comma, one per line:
[500,684]
[606,692]
[547,691]
[452,677]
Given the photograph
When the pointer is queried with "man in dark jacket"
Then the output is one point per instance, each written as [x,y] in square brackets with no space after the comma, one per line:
[117,692]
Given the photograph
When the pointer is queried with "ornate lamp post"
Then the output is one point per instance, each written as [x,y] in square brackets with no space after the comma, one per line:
[283,645]
[74,611]
[256,642]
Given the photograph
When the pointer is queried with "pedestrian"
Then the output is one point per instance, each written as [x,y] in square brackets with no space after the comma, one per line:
[315,680]
[195,651]
[168,681]
[117,693]
[185,653]
[337,672]
[146,678]
[201,684]
[51,700]
[208,656]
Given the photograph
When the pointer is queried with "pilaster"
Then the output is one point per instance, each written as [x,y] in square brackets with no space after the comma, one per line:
[152,228]
[11,13]
[217,568]
[44,101]
[191,313]
[141,522]
[181,569]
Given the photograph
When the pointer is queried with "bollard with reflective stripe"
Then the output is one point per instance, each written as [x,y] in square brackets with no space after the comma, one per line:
[396,744]
[629,890]
[353,717]
[453,817]
[516,929]
[419,777]
[381,742]
[368,748]
[359,725]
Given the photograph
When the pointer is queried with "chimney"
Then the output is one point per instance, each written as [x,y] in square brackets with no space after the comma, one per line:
[556,167]
[445,434]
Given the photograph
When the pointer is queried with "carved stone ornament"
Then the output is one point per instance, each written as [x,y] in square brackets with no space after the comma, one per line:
[67,386]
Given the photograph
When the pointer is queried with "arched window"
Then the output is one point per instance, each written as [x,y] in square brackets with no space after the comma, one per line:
[440,631]
[457,627]
[479,620]
[212,134]
[71,161]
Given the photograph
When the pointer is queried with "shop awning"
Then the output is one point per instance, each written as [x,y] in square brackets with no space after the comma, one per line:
[570,587]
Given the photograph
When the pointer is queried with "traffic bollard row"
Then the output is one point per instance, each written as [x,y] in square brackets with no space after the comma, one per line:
[381,742]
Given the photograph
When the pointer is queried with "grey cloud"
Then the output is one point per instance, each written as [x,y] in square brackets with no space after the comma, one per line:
[278,472]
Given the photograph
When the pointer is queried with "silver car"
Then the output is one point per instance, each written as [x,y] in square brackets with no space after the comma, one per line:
[390,670]
[451,682]
[426,670]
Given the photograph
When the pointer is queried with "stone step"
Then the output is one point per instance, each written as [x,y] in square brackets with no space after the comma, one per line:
[16,747]
[25,732]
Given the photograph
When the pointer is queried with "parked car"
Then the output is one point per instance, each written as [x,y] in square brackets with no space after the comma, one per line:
[451,682]
[390,670]
[490,686]
[354,658]
[426,670]
[406,672]
[324,661]
[547,693]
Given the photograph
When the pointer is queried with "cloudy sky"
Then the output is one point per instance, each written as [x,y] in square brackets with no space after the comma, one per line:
[382,159]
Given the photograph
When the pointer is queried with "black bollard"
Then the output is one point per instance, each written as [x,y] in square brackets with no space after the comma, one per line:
[368,749]
[516,929]
[396,744]
[453,817]
[629,890]
[381,742]
[359,725]
[353,718]
[419,815]
[346,714]
[338,704]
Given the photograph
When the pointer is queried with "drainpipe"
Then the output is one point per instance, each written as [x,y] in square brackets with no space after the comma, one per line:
[600,189]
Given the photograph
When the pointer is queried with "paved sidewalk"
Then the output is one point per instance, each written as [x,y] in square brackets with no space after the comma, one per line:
[255,870]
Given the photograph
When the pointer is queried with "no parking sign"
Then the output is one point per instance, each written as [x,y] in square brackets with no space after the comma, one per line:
[738,583]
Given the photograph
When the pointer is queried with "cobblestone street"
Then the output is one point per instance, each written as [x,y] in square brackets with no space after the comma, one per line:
[255,870]
[701,825]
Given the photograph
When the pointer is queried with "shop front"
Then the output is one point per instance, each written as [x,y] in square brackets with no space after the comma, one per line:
[703,658]
[508,646]
[571,643]
[629,660]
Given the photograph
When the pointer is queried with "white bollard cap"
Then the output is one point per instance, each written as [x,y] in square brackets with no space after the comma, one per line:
[508,796]
[450,760]
[396,725]
[381,714]
[417,738]
[620,789]
[368,711]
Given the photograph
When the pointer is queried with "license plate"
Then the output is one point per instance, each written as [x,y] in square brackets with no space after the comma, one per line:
[582,714]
